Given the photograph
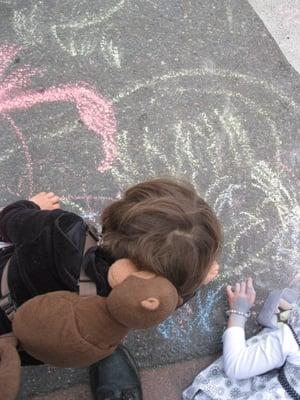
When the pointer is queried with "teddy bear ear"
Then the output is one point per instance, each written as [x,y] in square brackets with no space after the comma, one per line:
[120,270]
[10,368]
[150,304]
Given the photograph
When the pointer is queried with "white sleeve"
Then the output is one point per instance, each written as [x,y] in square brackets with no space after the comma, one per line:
[242,361]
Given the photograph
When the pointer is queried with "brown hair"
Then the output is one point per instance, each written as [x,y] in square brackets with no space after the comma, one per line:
[163,226]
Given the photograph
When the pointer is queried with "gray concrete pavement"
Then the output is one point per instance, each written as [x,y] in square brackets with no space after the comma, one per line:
[282,19]
[102,94]
[164,383]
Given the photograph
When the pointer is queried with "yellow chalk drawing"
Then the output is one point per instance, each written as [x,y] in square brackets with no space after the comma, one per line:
[75,37]
[77,208]
[216,148]
[74,33]
[229,16]
[27,26]
[91,20]
[110,51]
[203,72]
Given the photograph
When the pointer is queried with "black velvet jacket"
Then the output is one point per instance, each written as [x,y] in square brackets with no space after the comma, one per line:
[46,255]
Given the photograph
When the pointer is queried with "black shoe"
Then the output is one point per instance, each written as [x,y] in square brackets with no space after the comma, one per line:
[116,377]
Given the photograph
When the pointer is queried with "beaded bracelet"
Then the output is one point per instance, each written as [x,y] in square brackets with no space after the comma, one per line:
[232,311]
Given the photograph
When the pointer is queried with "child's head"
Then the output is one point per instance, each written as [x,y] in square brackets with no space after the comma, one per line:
[163,226]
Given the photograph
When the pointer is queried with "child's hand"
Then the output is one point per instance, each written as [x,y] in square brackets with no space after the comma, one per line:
[46,201]
[243,296]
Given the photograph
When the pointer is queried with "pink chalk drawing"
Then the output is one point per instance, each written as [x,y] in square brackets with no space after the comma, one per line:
[94,111]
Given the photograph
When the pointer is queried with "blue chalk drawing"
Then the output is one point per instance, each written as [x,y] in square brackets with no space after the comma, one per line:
[181,326]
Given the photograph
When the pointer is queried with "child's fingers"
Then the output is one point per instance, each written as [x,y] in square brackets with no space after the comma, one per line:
[52,196]
[54,199]
[243,287]
[229,291]
[37,195]
[250,290]
[253,297]
[237,288]
[56,206]
[229,288]
[249,286]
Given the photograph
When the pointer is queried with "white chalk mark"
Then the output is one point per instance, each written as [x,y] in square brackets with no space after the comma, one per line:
[74,205]
[74,42]
[203,73]
[229,16]
[74,33]
[226,198]
[110,52]
[268,181]
[75,37]
[27,27]
[219,145]
[90,20]
[252,105]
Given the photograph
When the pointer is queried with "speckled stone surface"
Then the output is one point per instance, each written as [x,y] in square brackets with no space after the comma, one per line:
[97,95]
[165,383]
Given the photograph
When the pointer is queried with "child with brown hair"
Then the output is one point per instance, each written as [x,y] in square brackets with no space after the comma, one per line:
[161,225]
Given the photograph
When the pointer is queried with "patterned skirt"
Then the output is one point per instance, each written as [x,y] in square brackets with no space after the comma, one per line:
[213,384]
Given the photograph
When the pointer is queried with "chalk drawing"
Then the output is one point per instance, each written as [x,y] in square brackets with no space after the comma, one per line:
[185,323]
[27,27]
[95,112]
[185,8]
[90,20]
[244,187]
[287,241]
[110,52]
[217,150]
[203,72]
[74,33]
[73,202]
[211,142]
[229,15]
[76,38]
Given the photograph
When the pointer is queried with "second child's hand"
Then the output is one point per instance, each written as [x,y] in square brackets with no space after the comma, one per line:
[241,300]
[46,201]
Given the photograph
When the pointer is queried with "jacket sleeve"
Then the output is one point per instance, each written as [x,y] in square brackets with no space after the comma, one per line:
[242,360]
[23,220]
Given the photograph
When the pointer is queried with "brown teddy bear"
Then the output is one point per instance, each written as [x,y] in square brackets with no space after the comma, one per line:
[65,329]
